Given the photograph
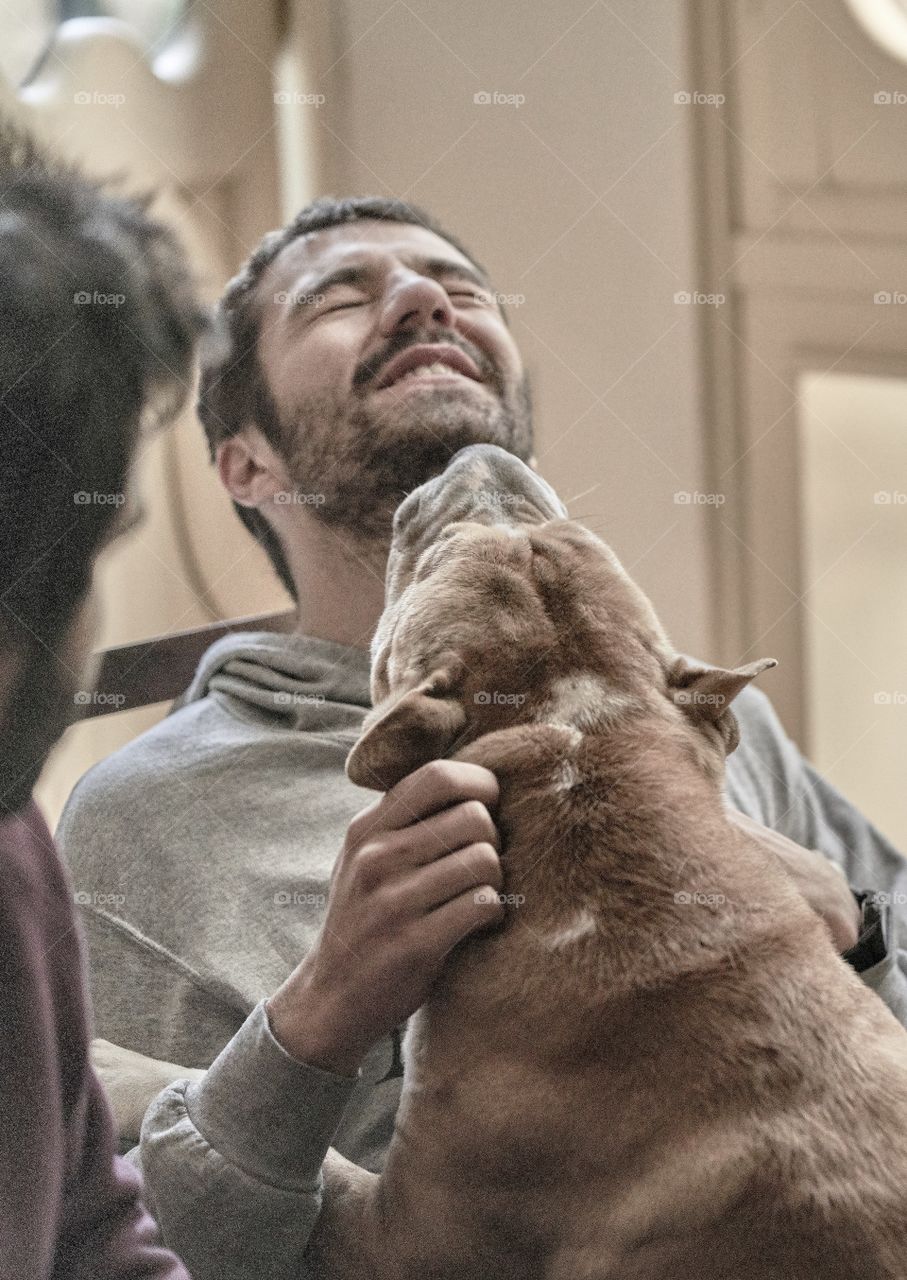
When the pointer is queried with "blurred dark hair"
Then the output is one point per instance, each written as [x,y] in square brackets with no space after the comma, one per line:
[98,323]
[233,391]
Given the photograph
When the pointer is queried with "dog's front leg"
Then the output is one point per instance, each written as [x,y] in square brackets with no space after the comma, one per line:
[343,1245]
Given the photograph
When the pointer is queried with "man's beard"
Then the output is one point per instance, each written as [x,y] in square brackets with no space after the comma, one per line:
[356,465]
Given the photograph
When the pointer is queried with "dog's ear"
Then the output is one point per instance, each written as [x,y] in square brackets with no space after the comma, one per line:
[406,731]
[705,693]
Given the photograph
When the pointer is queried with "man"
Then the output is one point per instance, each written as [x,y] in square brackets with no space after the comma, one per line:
[97,326]
[365,348]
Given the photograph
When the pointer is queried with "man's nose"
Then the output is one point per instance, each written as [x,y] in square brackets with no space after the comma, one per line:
[417,301]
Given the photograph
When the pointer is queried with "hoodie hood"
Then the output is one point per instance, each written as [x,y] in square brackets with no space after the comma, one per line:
[292,680]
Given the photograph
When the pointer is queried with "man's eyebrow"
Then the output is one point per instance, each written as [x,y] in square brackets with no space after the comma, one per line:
[449,267]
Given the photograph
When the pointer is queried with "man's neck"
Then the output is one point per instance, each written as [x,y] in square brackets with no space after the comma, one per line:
[339,583]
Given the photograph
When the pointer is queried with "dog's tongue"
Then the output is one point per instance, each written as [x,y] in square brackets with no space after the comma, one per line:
[483,483]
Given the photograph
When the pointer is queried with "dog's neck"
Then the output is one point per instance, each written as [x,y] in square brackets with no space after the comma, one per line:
[628,813]
[646,757]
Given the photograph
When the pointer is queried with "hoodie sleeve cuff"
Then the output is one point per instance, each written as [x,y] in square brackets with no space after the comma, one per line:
[888,979]
[266,1113]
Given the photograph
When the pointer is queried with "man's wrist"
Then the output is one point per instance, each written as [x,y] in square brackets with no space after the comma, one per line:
[263,1111]
[305,1040]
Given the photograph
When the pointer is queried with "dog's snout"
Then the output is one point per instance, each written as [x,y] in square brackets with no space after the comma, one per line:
[482,483]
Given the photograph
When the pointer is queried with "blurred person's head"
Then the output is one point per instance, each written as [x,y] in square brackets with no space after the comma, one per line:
[98,323]
[322,404]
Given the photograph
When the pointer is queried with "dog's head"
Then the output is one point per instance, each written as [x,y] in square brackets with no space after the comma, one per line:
[500,611]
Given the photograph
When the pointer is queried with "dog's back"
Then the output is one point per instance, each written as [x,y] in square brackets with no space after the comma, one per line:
[637,1079]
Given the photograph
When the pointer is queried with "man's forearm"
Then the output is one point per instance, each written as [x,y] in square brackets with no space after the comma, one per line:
[233,1162]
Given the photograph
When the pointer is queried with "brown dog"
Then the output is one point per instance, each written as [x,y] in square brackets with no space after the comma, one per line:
[658,1066]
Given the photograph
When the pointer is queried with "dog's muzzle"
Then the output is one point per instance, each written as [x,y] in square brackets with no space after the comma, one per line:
[482,483]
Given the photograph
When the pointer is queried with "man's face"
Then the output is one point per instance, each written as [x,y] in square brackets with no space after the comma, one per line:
[384,352]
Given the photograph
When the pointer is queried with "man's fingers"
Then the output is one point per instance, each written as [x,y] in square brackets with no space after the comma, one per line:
[475,909]
[390,859]
[432,838]
[426,791]
[799,860]
[473,867]
[821,882]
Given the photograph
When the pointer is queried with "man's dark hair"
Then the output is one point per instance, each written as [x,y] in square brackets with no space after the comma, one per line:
[98,324]
[233,390]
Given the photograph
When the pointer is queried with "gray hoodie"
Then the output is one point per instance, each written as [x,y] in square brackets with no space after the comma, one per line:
[202,853]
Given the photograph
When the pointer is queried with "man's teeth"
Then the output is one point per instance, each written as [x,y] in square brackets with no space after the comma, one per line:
[422,369]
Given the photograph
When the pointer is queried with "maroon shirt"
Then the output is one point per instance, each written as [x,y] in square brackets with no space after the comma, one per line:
[69,1207]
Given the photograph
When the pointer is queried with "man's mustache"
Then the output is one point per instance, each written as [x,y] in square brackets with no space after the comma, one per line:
[370,369]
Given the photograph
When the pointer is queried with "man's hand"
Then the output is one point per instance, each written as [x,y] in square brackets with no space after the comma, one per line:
[819,880]
[419,870]
[132,1082]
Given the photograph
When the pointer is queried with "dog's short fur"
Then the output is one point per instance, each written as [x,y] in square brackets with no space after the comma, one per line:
[658,1066]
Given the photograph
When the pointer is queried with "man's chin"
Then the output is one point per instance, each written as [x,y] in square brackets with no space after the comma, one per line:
[436,426]
[365,464]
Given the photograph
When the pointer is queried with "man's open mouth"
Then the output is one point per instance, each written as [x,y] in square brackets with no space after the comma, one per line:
[427,362]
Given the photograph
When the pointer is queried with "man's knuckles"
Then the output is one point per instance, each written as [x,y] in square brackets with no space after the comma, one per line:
[452,780]
[439,784]
[363,823]
[371,864]
[481,864]
[468,823]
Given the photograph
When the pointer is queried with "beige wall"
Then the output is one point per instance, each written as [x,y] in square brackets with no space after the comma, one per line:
[25,27]
[804,213]
[580,200]
[854,473]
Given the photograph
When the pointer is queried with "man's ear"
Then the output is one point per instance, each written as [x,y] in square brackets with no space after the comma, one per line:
[705,693]
[250,468]
[406,731]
